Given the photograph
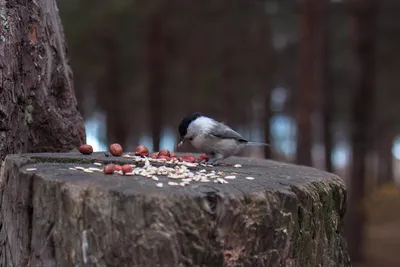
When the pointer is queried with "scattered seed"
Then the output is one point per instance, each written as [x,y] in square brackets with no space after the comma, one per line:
[31,169]
[160,185]
[79,168]
[155,178]
[237,166]
[230,177]
[173,183]
[72,169]
[95,169]
[249,178]
[87,171]
[97,164]
[222,181]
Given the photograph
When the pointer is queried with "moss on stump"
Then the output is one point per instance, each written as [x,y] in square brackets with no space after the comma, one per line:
[287,216]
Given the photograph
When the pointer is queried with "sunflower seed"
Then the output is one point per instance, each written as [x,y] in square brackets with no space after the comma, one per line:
[97,164]
[237,166]
[87,171]
[160,185]
[249,178]
[230,177]
[31,169]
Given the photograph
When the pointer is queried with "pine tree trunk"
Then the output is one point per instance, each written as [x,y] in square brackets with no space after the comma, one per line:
[156,56]
[38,108]
[364,33]
[327,99]
[385,157]
[306,90]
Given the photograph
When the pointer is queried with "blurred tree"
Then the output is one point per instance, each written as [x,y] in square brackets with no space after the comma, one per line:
[325,81]
[306,88]
[385,157]
[364,18]
[156,62]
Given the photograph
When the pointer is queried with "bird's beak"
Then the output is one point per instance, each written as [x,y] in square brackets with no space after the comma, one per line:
[181,142]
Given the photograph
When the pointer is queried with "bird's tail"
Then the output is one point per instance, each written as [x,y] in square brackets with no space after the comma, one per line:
[251,143]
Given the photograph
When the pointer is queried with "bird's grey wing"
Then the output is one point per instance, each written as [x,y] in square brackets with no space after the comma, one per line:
[224,132]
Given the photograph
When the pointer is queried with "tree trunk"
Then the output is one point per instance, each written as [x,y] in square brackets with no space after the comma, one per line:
[364,25]
[38,108]
[306,91]
[267,121]
[385,157]
[156,56]
[117,111]
[325,83]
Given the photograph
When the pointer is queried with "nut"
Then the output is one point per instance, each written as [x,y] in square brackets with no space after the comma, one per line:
[86,149]
[126,168]
[116,150]
[109,169]
[154,155]
[164,152]
[172,154]
[202,157]
[117,167]
[142,151]
[189,158]
[163,157]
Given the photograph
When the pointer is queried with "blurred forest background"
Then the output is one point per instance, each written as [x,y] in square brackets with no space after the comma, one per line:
[316,79]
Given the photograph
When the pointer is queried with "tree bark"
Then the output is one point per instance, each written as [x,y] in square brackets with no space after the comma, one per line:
[156,56]
[38,107]
[72,218]
[364,14]
[306,90]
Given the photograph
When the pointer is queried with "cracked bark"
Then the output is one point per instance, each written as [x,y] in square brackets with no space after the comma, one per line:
[38,108]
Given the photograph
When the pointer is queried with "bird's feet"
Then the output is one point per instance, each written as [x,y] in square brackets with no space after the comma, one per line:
[215,160]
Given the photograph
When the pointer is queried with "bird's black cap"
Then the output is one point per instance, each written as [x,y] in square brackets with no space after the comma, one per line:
[186,121]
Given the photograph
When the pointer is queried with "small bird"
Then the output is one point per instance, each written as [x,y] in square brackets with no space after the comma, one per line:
[217,140]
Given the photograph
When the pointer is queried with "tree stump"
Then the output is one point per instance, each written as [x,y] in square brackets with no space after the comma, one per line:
[38,108]
[53,216]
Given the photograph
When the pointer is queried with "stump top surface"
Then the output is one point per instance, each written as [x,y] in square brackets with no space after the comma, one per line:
[268,175]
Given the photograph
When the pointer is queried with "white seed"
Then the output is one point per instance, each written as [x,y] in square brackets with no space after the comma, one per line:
[160,185]
[172,183]
[203,170]
[129,174]
[249,178]
[95,169]
[230,177]
[155,178]
[72,169]
[204,180]
[191,164]
[182,184]
[237,166]
[222,181]
[88,171]
[31,169]
[97,164]
[79,168]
